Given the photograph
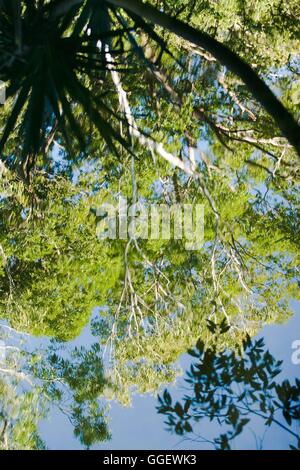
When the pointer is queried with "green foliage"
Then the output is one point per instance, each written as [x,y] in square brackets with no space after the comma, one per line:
[151,299]
[19,418]
[57,268]
[35,380]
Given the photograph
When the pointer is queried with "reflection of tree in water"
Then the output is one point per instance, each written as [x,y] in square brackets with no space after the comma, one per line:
[230,388]
[156,297]
[153,297]
[34,380]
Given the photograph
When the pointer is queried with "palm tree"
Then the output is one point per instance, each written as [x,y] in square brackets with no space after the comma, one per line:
[42,57]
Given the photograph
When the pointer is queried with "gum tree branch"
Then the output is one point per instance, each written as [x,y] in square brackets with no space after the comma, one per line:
[261,92]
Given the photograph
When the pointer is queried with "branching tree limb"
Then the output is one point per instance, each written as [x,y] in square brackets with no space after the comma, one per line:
[262,93]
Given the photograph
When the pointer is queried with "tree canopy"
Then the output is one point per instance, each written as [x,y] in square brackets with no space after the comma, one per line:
[160,103]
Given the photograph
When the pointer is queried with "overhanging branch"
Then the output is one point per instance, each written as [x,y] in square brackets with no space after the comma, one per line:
[283,118]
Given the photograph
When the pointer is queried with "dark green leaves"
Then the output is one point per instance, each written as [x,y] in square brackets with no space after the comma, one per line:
[231,390]
[50,79]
